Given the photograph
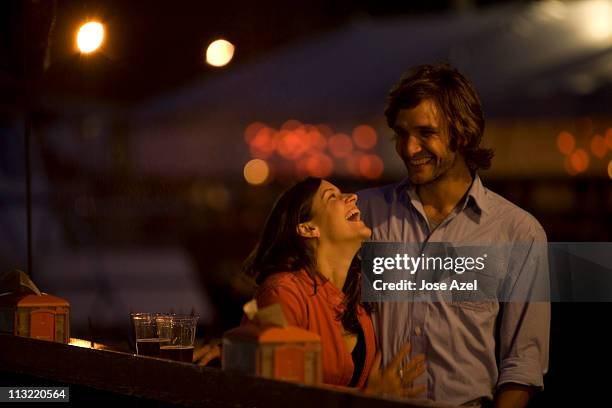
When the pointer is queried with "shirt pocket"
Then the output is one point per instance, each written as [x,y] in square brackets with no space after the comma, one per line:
[489,279]
[475,317]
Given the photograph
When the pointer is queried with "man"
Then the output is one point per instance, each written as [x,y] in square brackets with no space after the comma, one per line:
[477,352]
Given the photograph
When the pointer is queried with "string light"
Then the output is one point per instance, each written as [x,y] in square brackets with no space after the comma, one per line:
[219,53]
[90,37]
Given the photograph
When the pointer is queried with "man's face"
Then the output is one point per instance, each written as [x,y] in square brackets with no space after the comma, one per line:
[422,141]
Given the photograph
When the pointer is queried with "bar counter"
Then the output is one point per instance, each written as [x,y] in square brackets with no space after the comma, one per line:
[112,376]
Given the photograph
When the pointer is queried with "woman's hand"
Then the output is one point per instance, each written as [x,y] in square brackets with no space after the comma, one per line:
[396,379]
[206,353]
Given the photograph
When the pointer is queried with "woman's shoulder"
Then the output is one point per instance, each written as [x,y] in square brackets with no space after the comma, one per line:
[287,289]
[290,283]
[292,279]
[280,278]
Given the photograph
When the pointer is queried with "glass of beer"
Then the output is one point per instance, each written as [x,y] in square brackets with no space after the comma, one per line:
[178,335]
[145,331]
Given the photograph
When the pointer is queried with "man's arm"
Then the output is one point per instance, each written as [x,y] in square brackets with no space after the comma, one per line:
[523,339]
[513,395]
[524,329]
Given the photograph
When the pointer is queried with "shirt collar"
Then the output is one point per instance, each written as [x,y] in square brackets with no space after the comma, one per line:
[477,194]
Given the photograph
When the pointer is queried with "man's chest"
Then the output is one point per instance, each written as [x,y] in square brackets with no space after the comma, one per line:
[438,326]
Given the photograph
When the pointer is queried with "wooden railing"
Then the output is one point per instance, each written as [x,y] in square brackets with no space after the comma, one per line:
[124,374]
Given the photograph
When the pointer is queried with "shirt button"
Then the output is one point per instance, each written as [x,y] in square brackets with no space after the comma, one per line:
[417,331]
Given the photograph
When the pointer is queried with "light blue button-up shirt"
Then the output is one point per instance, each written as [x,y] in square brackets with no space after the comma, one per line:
[471,347]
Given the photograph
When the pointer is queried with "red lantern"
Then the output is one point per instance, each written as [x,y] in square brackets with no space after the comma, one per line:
[283,353]
[42,317]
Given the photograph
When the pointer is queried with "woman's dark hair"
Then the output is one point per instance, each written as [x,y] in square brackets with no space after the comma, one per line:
[282,249]
[457,101]
[352,296]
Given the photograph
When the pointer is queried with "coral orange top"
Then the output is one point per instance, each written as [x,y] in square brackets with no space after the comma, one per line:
[319,313]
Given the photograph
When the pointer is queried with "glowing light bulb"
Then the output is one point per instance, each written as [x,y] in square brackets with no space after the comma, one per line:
[219,53]
[90,37]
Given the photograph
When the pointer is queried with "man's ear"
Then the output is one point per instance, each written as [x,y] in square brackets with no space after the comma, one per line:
[307,230]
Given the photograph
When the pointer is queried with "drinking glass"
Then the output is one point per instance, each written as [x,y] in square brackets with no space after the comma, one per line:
[177,334]
[145,333]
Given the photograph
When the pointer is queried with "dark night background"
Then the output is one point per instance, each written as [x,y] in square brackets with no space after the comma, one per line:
[138,194]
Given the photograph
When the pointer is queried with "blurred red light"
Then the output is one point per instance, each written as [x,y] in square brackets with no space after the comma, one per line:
[352,163]
[291,145]
[609,138]
[263,144]
[340,145]
[566,142]
[291,124]
[251,131]
[365,137]
[579,160]
[316,139]
[319,165]
[325,130]
[598,146]
[371,166]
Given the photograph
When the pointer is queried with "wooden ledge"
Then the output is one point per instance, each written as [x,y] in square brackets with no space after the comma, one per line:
[167,381]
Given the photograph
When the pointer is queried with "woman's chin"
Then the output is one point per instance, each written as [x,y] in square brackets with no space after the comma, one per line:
[366,233]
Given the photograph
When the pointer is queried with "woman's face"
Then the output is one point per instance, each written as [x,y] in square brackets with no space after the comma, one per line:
[336,216]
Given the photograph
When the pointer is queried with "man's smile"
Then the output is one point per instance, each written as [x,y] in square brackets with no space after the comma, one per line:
[420,161]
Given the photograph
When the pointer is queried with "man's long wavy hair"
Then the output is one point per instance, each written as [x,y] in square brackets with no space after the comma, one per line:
[457,102]
[282,249]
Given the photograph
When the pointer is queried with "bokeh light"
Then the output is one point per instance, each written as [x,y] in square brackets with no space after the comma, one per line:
[291,124]
[579,160]
[568,167]
[566,142]
[325,130]
[598,146]
[217,197]
[549,10]
[365,137]
[609,138]
[610,169]
[340,145]
[256,171]
[597,19]
[292,144]
[309,150]
[251,131]
[371,166]
[90,37]
[316,140]
[352,163]
[263,144]
[319,165]
[219,53]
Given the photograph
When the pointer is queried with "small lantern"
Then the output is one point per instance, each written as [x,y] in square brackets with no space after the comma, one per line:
[282,353]
[42,317]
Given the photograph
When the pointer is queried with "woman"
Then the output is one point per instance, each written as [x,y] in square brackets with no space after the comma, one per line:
[304,262]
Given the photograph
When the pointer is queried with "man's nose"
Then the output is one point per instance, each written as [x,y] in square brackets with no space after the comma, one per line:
[413,145]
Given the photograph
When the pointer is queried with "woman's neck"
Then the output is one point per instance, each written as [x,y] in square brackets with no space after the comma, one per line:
[333,261]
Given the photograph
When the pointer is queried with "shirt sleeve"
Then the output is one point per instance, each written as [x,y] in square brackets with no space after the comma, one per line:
[290,299]
[524,328]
